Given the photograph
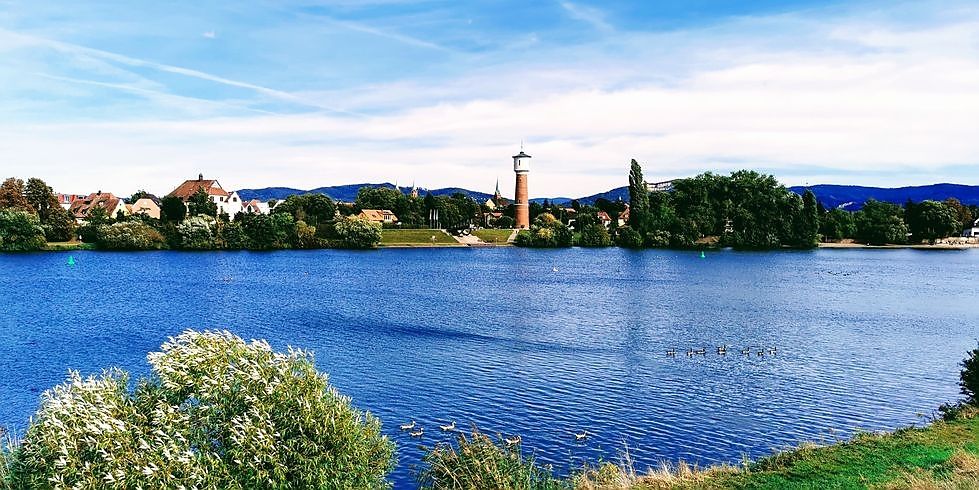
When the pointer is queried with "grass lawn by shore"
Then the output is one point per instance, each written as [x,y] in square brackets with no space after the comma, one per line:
[493,236]
[409,238]
[941,455]
[67,246]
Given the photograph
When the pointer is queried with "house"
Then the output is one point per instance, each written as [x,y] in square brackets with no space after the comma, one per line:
[974,231]
[256,207]
[383,216]
[490,218]
[65,200]
[227,202]
[624,217]
[81,209]
[146,206]
[604,218]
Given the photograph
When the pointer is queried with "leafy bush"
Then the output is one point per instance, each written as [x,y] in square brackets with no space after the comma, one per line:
[129,235]
[20,231]
[595,235]
[217,412]
[504,222]
[231,236]
[268,232]
[969,377]
[660,238]
[305,236]
[628,238]
[197,233]
[476,462]
[547,231]
[353,232]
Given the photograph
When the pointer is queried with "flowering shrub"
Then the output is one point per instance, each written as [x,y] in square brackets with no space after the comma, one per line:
[129,235]
[197,233]
[217,412]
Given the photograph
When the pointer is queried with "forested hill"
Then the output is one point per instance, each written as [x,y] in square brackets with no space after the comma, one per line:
[851,197]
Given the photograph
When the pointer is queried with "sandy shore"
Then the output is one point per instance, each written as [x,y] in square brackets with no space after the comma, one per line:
[937,246]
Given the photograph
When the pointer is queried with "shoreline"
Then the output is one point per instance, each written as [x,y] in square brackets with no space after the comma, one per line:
[937,246]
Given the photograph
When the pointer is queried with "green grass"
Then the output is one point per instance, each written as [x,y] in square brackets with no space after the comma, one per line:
[941,455]
[415,238]
[67,246]
[493,236]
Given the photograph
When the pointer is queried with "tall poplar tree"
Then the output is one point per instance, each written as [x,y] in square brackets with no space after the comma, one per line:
[638,198]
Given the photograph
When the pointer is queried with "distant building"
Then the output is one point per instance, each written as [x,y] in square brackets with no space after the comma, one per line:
[146,206]
[665,186]
[624,217]
[227,203]
[383,216]
[81,209]
[974,231]
[256,207]
[604,218]
[65,200]
[497,201]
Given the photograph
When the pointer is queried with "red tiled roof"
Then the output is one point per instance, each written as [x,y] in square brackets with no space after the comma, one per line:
[190,187]
[81,208]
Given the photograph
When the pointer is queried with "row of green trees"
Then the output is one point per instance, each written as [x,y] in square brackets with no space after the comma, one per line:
[30,216]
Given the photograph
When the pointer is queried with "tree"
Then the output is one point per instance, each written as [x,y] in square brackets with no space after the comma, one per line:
[546,231]
[963,212]
[314,209]
[305,236]
[837,224]
[638,198]
[594,235]
[269,231]
[140,194]
[930,220]
[12,195]
[215,412]
[40,197]
[60,225]
[356,232]
[20,231]
[172,209]
[628,238]
[807,225]
[880,223]
[201,204]
[377,198]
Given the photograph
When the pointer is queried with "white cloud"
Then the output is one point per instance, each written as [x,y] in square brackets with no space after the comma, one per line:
[587,14]
[210,35]
[849,99]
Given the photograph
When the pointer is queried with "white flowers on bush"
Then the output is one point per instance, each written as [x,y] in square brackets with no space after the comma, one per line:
[218,412]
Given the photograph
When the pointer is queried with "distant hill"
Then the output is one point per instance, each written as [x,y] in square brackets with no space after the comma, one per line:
[852,197]
[348,193]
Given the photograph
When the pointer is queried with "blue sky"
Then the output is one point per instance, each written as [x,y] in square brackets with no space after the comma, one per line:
[119,96]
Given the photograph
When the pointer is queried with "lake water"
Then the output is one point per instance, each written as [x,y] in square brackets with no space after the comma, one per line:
[542,343]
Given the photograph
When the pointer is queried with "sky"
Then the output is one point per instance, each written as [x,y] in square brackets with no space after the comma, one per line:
[122,96]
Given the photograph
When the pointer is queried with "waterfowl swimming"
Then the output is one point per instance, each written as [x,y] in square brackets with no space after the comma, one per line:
[417,433]
[746,351]
[449,427]
[697,352]
[582,436]
[722,350]
[761,352]
[408,426]
[554,269]
[773,351]
[671,352]
[512,441]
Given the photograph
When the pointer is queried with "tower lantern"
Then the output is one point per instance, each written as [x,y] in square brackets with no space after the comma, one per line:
[521,166]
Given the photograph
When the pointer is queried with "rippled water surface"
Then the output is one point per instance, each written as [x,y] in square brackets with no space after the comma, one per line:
[531,342]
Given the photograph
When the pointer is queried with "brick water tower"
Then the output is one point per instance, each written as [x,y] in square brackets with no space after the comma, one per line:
[521,166]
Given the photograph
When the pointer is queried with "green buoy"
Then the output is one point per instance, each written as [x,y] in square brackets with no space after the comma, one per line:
[702,255]
[71,260]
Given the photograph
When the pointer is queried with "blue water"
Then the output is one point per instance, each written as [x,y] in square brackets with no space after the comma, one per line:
[542,343]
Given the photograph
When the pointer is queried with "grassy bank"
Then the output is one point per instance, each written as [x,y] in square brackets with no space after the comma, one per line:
[68,246]
[493,236]
[416,238]
[943,455]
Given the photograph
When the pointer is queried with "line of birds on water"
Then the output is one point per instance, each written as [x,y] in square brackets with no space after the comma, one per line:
[414,430]
[722,351]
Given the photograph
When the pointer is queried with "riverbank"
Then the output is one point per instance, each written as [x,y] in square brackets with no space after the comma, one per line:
[920,246]
[944,454]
